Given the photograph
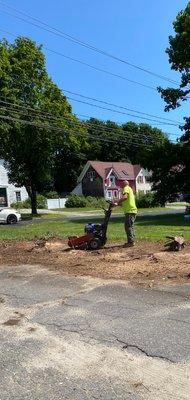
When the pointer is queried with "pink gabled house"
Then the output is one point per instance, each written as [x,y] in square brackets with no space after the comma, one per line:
[103,179]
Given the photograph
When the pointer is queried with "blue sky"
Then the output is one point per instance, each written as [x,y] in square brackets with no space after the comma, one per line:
[136,31]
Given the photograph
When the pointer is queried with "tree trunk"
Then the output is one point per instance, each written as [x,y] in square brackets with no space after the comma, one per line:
[33,197]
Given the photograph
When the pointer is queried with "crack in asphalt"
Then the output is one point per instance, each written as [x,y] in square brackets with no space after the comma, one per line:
[79,332]
[179,320]
[128,345]
[83,331]
[186,297]
[63,299]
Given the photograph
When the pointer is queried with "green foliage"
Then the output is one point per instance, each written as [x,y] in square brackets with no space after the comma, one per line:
[76,201]
[52,195]
[179,58]
[41,203]
[170,162]
[146,200]
[95,202]
[127,142]
[29,151]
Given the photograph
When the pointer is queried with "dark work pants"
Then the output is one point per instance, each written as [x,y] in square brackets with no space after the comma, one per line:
[129,226]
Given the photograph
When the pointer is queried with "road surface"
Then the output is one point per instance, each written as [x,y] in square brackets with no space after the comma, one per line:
[79,338]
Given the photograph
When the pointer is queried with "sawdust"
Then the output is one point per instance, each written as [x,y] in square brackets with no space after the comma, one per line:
[145,262]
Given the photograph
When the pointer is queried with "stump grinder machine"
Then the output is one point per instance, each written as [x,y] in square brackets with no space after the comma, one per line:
[95,234]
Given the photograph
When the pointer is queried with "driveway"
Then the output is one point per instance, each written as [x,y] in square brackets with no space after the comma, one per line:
[79,338]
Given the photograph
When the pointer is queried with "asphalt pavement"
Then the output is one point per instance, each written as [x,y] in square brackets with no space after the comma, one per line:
[65,337]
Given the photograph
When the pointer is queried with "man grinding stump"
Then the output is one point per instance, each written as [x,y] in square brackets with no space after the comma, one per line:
[130,210]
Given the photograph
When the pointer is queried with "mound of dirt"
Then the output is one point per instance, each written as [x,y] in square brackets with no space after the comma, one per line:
[144,262]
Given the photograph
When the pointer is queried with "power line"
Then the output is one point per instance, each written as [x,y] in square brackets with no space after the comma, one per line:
[118,106]
[120,124]
[122,107]
[95,127]
[38,113]
[92,127]
[72,39]
[62,118]
[91,66]
[104,102]
[57,129]
[119,112]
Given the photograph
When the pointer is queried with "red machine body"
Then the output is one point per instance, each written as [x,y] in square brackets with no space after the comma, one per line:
[79,241]
[95,234]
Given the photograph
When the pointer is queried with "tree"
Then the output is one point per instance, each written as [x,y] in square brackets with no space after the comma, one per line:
[127,142]
[36,119]
[142,139]
[172,175]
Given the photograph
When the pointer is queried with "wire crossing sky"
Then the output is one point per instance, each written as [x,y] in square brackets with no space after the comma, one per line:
[94,45]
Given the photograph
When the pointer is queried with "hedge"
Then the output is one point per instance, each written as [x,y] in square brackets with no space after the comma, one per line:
[41,203]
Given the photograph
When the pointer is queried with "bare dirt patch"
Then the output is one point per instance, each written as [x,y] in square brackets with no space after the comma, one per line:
[145,262]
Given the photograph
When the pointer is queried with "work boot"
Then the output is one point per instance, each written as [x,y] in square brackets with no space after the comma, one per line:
[129,244]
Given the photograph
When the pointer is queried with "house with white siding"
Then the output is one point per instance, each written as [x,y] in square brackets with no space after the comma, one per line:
[9,193]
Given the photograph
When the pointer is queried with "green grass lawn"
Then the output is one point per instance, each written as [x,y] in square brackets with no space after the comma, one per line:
[147,228]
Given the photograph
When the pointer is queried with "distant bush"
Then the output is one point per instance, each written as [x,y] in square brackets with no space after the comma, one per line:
[52,195]
[187,210]
[22,204]
[41,203]
[76,201]
[95,202]
[147,200]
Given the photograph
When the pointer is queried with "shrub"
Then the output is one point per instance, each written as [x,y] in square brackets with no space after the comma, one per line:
[146,200]
[187,210]
[95,202]
[75,201]
[52,195]
[41,203]
[22,204]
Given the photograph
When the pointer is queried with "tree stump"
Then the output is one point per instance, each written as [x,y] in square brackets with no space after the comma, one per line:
[176,243]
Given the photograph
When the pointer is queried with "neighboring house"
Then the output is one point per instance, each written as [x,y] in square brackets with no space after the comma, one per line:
[8,192]
[103,179]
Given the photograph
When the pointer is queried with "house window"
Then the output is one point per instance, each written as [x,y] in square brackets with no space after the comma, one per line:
[147,179]
[112,180]
[18,196]
[109,194]
[91,175]
[115,194]
[3,197]
[140,179]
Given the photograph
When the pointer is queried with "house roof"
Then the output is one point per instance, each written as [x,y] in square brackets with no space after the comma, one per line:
[123,170]
[137,169]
